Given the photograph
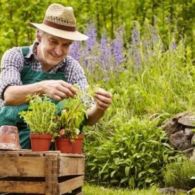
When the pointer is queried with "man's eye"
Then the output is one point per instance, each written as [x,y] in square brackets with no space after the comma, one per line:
[52,41]
[67,44]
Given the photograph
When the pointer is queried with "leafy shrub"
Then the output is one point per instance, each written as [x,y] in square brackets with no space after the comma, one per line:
[178,174]
[133,156]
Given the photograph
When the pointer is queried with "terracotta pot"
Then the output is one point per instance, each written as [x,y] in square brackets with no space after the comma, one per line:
[64,145]
[70,146]
[9,138]
[77,145]
[40,142]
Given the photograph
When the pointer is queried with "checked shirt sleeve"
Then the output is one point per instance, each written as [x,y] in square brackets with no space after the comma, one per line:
[11,65]
[76,73]
[77,76]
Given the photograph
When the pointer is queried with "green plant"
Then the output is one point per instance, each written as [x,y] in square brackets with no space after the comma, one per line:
[178,174]
[73,112]
[134,155]
[41,115]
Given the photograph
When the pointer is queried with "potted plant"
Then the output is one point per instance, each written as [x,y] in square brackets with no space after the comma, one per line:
[40,117]
[69,139]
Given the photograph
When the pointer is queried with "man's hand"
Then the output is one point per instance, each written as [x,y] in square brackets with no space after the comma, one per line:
[57,89]
[103,99]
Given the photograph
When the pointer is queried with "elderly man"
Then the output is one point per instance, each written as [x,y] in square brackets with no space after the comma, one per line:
[46,68]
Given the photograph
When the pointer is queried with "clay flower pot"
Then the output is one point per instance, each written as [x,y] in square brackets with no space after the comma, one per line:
[9,138]
[40,142]
[66,145]
[77,145]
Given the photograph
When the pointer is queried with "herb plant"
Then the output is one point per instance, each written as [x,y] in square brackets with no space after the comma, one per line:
[41,115]
[71,116]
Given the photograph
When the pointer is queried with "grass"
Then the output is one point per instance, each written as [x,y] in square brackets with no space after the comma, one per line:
[99,190]
[90,189]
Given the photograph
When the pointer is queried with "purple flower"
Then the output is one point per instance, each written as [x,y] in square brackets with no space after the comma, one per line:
[173,45]
[135,50]
[117,48]
[154,35]
[135,36]
[91,33]
[105,53]
[75,50]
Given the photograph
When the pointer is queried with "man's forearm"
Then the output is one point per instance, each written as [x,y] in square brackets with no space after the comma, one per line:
[15,95]
[94,114]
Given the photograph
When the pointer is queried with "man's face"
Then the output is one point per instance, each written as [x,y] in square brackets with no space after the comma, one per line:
[52,50]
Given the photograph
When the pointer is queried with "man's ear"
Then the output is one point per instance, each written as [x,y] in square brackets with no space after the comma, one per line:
[38,36]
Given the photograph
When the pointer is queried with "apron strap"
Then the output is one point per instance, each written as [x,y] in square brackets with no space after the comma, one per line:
[25,51]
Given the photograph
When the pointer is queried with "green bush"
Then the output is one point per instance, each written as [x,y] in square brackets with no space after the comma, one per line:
[178,174]
[133,156]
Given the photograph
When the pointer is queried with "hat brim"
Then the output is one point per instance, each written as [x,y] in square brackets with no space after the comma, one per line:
[70,35]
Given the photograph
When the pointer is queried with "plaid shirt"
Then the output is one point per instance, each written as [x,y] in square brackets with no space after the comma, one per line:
[12,64]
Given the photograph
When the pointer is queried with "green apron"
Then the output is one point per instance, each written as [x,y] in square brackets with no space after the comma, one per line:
[9,115]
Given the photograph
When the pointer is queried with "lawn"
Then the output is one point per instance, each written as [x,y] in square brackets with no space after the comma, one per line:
[99,190]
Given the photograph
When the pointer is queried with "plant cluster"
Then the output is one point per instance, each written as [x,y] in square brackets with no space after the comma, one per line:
[133,156]
[41,115]
[126,148]
[179,174]
[62,119]
[72,114]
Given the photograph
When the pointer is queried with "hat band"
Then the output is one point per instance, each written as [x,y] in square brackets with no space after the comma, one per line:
[59,26]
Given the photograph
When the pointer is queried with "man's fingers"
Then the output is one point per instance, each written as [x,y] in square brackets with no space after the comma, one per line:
[56,97]
[102,105]
[58,89]
[105,99]
[65,91]
[70,87]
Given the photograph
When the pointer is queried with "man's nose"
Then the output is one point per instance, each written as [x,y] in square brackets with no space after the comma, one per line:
[59,51]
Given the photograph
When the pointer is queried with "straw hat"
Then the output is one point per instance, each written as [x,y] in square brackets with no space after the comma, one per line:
[61,22]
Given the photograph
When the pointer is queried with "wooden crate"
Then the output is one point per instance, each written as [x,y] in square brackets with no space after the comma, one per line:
[50,173]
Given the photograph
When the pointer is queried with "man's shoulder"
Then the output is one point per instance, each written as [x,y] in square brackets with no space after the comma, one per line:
[71,60]
[14,52]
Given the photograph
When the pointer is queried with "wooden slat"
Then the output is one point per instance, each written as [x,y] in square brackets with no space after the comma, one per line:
[71,184]
[72,155]
[47,173]
[71,166]
[51,174]
[22,166]
[22,187]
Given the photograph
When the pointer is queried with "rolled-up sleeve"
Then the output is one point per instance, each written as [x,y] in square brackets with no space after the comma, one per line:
[11,65]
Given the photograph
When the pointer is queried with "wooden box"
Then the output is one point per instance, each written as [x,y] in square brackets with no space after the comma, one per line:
[50,173]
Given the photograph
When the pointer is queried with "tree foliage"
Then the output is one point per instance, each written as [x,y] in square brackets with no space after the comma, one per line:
[171,15]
